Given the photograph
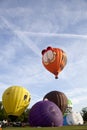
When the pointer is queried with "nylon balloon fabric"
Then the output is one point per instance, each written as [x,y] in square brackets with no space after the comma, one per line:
[45,114]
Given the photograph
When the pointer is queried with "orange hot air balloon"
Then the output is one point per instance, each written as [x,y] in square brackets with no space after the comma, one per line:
[54,60]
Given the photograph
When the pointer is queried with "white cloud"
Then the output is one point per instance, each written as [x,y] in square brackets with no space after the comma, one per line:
[76,91]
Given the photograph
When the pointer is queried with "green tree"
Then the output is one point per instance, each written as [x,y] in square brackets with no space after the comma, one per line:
[3,114]
[84,113]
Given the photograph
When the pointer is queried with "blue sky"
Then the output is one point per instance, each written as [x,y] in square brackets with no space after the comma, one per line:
[29,26]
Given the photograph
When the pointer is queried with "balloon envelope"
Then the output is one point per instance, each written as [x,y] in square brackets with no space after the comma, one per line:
[69,107]
[54,60]
[65,121]
[59,98]
[45,113]
[70,103]
[74,118]
[15,100]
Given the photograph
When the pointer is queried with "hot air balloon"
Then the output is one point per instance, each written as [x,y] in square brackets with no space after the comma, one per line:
[15,100]
[69,107]
[59,98]
[45,113]
[73,118]
[54,60]
[65,120]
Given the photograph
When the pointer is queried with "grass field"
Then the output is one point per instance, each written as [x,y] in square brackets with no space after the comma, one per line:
[47,128]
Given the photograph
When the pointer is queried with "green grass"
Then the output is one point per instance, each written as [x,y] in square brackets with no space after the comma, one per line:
[48,128]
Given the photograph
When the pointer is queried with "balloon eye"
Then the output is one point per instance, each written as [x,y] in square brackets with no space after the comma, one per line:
[43,51]
[25,97]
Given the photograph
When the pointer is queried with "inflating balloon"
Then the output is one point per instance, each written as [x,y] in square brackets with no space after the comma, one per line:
[54,60]
[59,98]
[73,118]
[65,121]
[15,100]
[69,107]
[45,113]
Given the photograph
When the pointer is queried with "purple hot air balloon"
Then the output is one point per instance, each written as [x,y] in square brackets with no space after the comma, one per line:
[44,114]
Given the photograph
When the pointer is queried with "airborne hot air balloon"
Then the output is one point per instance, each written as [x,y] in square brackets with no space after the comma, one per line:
[59,98]
[54,60]
[15,100]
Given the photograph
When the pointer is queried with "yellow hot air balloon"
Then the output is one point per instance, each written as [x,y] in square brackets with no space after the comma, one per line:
[15,100]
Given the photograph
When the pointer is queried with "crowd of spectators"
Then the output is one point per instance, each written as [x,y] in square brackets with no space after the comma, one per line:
[5,123]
